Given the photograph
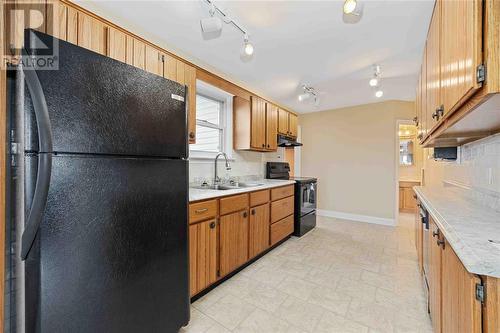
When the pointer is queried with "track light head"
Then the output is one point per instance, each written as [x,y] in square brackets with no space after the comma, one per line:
[247,46]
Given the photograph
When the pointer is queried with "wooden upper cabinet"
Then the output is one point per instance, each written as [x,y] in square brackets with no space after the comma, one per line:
[433,69]
[461,50]
[271,127]
[152,60]
[282,122]
[258,236]
[292,125]
[233,239]
[91,33]
[190,82]
[461,309]
[117,44]
[139,52]
[423,95]
[287,123]
[258,123]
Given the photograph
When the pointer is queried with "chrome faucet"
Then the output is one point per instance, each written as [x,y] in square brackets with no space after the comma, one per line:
[228,167]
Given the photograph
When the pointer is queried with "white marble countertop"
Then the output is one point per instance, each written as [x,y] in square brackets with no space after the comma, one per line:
[469,227]
[202,194]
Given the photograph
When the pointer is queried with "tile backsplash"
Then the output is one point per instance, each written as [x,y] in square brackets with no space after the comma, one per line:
[477,169]
[244,165]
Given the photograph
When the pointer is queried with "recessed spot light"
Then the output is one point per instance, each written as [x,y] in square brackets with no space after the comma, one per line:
[379,93]
[350,6]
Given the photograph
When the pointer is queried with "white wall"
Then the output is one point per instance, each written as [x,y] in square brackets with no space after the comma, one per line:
[477,168]
[352,152]
[244,164]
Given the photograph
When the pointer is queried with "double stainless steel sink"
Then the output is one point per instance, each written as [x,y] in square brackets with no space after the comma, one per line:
[230,186]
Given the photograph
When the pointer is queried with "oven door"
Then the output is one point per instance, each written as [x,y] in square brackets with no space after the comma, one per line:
[307,198]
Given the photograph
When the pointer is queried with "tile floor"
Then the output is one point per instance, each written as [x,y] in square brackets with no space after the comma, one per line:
[344,276]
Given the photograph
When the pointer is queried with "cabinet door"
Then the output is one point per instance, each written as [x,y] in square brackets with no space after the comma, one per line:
[419,239]
[202,255]
[91,33]
[258,123]
[401,198]
[57,20]
[152,60]
[117,44]
[258,235]
[271,127]
[433,67]
[461,50]
[233,241]
[190,82]
[283,122]
[139,51]
[409,201]
[461,309]
[434,278]
[423,96]
[193,259]
[292,125]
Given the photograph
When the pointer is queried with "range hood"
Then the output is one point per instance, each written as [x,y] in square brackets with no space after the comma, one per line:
[286,141]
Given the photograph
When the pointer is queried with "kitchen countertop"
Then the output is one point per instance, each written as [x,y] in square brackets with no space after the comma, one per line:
[202,194]
[469,227]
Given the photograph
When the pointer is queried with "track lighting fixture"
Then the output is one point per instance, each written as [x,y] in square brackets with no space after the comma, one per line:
[350,6]
[212,24]
[247,46]
[375,81]
[212,28]
[352,11]
[309,93]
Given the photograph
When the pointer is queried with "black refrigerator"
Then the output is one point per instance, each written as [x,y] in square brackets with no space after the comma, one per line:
[105,181]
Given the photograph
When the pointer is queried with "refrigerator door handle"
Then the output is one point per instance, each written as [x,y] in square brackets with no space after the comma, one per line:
[44,161]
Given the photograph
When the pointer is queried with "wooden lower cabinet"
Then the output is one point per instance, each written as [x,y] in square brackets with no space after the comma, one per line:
[407,200]
[434,275]
[233,248]
[258,234]
[461,310]
[281,229]
[225,233]
[202,255]
[419,238]
[453,295]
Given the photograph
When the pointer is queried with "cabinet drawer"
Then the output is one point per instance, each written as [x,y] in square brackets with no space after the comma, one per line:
[233,203]
[281,209]
[202,210]
[281,229]
[259,198]
[281,192]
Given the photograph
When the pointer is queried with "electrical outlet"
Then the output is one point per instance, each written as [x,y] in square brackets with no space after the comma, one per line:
[490,176]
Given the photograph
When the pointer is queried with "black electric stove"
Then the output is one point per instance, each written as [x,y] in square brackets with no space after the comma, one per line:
[305,196]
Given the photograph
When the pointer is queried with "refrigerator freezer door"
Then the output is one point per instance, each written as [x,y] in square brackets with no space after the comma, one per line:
[98,105]
[111,254]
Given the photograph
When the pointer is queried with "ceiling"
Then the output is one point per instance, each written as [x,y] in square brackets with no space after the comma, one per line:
[295,42]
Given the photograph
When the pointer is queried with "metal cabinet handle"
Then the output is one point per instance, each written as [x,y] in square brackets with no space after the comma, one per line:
[268,146]
[440,111]
[202,210]
[435,233]
[263,145]
[245,214]
[191,135]
[253,211]
[440,242]
[212,225]
[435,115]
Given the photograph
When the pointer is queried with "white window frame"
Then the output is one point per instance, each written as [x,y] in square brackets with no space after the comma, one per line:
[209,91]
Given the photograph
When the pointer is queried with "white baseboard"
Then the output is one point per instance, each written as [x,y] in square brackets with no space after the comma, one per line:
[355,217]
